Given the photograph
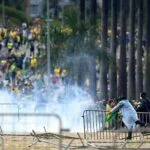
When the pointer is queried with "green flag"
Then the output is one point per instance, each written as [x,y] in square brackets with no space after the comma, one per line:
[110,117]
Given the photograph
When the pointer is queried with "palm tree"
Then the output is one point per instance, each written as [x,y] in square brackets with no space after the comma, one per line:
[131,65]
[122,81]
[81,61]
[82,18]
[92,77]
[81,64]
[113,67]
[139,68]
[103,63]
[147,51]
[82,9]
[56,9]
[26,7]
[92,72]
[93,12]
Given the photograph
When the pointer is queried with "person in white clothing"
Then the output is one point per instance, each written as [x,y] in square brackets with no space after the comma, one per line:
[129,115]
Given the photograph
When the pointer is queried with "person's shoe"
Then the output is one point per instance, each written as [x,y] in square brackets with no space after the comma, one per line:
[142,124]
[128,138]
[146,129]
[143,132]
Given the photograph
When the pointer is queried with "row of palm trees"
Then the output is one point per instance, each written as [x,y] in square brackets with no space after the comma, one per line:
[129,74]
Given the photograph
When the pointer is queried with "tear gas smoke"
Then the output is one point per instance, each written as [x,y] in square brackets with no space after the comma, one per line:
[68,102]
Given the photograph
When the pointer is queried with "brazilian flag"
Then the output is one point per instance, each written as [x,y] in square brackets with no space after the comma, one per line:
[110,117]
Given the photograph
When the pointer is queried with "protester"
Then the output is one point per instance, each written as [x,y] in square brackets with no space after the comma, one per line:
[129,115]
[145,103]
[144,107]
[111,120]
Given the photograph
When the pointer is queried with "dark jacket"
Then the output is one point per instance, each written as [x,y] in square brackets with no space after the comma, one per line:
[144,107]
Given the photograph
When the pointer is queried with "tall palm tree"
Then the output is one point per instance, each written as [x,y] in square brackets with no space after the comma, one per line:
[147,51]
[139,66]
[81,61]
[122,81]
[82,9]
[113,67]
[103,63]
[92,72]
[82,18]
[81,71]
[92,77]
[93,12]
[56,9]
[131,63]
[26,7]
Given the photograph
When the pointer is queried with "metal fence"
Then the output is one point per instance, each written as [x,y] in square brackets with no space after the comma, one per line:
[95,127]
[9,107]
[30,130]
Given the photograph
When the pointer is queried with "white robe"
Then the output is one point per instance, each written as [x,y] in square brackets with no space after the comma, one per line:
[129,115]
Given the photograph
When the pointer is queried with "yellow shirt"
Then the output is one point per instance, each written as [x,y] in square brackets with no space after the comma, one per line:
[57,71]
[10,45]
[33,62]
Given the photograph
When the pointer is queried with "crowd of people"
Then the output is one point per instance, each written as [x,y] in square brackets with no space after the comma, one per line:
[20,51]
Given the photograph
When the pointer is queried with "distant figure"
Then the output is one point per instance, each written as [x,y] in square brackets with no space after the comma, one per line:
[33,64]
[129,115]
[10,46]
[32,49]
[1,45]
[144,107]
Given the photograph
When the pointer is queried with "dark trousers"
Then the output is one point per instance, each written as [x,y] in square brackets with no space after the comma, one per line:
[138,122]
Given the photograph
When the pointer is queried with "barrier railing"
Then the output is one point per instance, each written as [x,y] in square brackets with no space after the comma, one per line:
[95,127]
[10,107]
[17,133]
[2,143]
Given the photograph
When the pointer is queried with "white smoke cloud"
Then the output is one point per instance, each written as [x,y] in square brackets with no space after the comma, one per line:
[68,102]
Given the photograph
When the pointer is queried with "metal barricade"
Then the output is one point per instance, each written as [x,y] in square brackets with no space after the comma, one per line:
[144,117]
[95,126]
[2,143]
[93,122]
[10,107]
[30,130]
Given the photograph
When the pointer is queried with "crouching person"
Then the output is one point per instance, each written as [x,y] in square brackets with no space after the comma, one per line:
[129,115]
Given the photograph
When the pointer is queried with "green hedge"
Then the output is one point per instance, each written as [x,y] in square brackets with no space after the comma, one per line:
[13,13]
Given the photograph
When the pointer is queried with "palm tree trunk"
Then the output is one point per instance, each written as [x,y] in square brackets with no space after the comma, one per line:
[82,9]
[93,11]
[147,51]
[26,8]
[56,9]
[81,64]
[92,76]
[103,63]
[113,67]
[81,72]
[139,66]
[122,81]
[131,65]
